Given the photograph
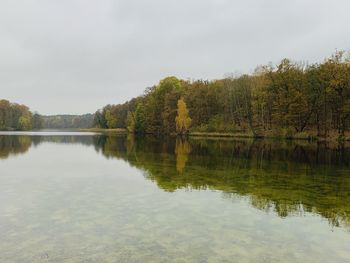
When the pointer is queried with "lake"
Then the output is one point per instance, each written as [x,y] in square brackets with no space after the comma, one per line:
[84,197]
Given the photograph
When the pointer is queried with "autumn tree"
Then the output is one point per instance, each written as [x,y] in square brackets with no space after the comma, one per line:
[183,120]
[5,114]
[287,99]
[14,116]
[336,80]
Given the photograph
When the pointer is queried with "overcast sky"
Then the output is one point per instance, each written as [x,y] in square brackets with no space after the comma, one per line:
[75,56]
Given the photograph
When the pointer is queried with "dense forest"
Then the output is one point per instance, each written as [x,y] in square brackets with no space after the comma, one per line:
[291,99]
[68,121]
[14,116]
[18,117]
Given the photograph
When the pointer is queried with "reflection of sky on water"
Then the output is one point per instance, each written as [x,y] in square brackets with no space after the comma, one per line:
[63,202]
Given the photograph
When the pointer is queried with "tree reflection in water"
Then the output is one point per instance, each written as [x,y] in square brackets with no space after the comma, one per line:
[285,177]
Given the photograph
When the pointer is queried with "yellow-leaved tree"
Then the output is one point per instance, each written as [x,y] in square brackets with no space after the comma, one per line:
[183,120]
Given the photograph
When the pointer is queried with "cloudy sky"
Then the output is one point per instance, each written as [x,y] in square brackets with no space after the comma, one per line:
[74,56]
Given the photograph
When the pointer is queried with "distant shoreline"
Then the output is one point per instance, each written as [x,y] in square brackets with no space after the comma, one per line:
[116,131]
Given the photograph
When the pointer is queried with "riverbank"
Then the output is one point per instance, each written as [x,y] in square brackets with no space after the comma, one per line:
[307,136]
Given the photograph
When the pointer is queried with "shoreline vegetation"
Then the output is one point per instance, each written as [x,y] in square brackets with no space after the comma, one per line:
[312,137]
[291,100]
[18,117]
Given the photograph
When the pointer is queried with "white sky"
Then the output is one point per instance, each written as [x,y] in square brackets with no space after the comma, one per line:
[75,56]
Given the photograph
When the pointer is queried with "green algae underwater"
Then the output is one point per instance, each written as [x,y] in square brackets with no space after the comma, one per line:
[81,197]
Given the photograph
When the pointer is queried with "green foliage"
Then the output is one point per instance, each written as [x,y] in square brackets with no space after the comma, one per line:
[117,115]
[111,120]
[289,99]
[24,124]
[217,123]
[14,116]
[37,122]
[140,121]
[286,133]
[67,121]
[99,120]
[168,84]
[130,122]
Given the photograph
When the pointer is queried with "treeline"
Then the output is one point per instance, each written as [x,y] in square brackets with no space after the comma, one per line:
[18,117]
[290,99]
[15,116]
[68,121]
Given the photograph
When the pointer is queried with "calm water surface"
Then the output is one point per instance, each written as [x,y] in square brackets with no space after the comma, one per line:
[76,197]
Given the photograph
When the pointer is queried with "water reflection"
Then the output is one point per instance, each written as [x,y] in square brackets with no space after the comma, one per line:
[286,178]
[182,150]
[13,145]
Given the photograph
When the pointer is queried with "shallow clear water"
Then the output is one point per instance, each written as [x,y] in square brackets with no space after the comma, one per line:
[71,197]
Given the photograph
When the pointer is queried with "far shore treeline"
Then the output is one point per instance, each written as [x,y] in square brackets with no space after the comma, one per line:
[288,100]
[16,117]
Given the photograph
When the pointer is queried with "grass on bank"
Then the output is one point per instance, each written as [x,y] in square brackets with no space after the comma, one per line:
[281,134]
[309,135]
